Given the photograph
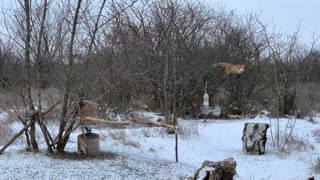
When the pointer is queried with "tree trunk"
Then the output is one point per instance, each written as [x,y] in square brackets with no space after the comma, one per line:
[63,122]
[165,92]
[33,140]
[39,60]
[34,144]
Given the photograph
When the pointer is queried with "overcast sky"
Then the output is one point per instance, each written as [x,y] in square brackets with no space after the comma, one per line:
[285,14]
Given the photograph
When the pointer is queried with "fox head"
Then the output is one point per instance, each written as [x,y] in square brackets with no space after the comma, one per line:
[241,68]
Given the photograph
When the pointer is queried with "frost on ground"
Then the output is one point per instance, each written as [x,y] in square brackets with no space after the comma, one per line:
[149,153]
[39,166]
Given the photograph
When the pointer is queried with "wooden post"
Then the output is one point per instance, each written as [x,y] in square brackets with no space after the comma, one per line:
[205,104]
[176,133]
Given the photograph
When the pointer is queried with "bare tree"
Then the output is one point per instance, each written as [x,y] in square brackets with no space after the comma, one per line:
[62,140]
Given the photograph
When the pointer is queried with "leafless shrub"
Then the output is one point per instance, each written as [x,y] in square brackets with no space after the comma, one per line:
[281,136]
[296,144]
[185,132]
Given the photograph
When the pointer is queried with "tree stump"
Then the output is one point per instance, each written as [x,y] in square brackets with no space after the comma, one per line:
[222,170]
[89,144]
[254,138]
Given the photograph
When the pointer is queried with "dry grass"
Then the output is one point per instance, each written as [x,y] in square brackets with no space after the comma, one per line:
[5,133]
[316,134]
[122,137]
[128,142]
[77,156]
[296,144]
[316,166]
[117,135]
[311,120]
[187,131]
[126,137]
[148,132]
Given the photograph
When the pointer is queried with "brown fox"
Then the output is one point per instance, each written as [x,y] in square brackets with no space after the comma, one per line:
[229,69]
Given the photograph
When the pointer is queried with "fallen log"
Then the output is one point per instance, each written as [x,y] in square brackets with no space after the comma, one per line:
[94,121]
[225,170]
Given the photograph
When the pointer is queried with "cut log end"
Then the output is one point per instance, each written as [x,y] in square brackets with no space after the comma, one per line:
[254,138]
[225,169]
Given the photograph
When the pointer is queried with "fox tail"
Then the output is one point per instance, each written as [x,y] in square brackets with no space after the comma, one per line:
[220,64]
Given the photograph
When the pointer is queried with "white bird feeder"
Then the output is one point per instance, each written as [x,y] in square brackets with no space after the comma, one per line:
[206,99]
[205,107]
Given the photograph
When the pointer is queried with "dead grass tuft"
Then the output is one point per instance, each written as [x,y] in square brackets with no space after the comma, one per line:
[316,134]
[316,166]
[296,144]
[311,120]
[187,131]
[123,138]
[77,156]
[148,132]
[5,133]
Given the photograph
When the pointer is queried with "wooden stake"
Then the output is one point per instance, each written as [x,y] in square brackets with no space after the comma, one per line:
[176,132]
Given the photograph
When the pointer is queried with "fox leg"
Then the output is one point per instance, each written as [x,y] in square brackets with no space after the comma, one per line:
[238,76]
[223,74]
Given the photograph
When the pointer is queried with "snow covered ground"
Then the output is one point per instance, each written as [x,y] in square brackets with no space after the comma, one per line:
[3,116]
[148,153]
